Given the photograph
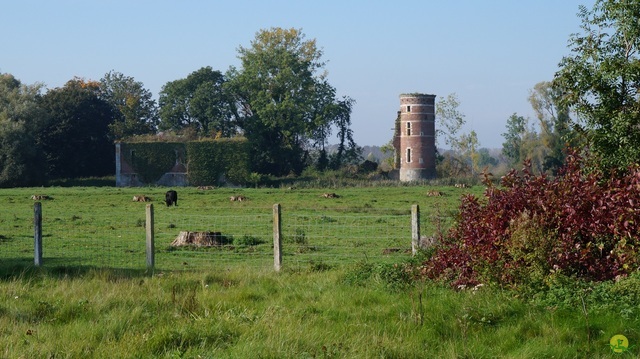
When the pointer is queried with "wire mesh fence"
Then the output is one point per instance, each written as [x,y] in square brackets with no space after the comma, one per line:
[310,237]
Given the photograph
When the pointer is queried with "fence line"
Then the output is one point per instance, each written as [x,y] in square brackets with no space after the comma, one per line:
[299,236]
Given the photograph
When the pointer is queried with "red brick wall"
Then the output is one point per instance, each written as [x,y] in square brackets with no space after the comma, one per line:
[419,111]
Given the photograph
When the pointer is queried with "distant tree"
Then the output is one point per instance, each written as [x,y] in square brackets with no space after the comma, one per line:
[600,80]
[201,102]
[348,151]
[389,151]
[21,117]
[462,159]
[556,131]
[485,159]
[134,109]
[449,120]
[286,106]
[75,140]
[468,146]
[516,131]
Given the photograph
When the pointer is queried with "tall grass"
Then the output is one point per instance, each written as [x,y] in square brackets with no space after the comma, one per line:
[241,313]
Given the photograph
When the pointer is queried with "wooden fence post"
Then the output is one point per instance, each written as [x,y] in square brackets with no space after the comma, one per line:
[415,229]
[150,239]
[37,233]
[277,238]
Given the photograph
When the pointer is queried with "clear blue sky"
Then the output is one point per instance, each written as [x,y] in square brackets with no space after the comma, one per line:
[490,53]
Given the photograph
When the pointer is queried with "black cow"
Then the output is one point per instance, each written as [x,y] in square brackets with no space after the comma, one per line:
[171,197]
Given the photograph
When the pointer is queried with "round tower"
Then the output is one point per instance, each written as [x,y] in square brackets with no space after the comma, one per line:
[417,137]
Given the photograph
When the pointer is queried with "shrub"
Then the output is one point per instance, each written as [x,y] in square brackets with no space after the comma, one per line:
[248,240]
[579,224]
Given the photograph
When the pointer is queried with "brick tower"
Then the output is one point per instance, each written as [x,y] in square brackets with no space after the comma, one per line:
[417,139]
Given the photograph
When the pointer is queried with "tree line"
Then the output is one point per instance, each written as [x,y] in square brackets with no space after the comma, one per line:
[279,99]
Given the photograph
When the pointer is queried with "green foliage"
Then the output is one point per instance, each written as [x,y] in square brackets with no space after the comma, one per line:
[556,131]
[200,101]
[216,161]
[516,131]
[151,160]
[248,240]
[600,81]
[75,141]
[393,276]
[288,105]
[209,162]
[135,112]
[462,158]
[21,118]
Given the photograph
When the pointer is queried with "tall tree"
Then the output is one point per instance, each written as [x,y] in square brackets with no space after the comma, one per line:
[201,102]
[449,120]
[21,117]
[555,124]
[514,137]
[468,145]
[134,109]
[601,80]
[463,157]
[285,101]
[75,141]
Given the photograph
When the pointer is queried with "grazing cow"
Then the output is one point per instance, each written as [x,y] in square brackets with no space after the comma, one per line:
[171,198]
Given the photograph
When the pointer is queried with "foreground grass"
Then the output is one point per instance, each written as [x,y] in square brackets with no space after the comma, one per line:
[240,313]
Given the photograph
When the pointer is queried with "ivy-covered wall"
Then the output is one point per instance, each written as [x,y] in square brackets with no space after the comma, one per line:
[151,160]
[213,162]
[205,162]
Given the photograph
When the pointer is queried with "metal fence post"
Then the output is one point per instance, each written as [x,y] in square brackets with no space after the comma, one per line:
[415,229]
[37,235]
[277,238]
[150,238]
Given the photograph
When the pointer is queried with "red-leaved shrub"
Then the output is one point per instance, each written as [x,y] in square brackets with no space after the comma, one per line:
[577,224]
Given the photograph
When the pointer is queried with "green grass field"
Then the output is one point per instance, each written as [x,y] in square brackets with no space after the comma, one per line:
[339,293]
[102,227]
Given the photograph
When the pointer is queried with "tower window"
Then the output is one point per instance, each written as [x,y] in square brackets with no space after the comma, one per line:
[408,155]
[408,128]
[408,108]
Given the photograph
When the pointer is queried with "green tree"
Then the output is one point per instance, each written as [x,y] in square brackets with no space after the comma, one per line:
[485,159]
[463,157]
[449,120]
[21,118]
[556,131]
[468,146]
[201,102]
[600,80]
[75,140]
[134,110]
[516,131]
[287,106]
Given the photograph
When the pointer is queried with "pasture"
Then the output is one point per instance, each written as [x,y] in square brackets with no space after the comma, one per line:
[342,292]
